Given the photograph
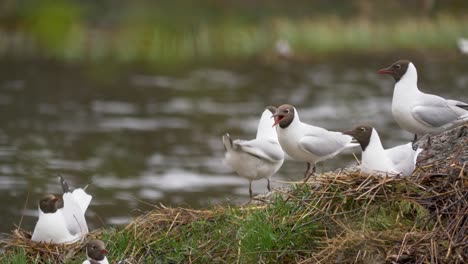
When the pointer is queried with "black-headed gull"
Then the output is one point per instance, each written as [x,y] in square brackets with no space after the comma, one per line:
[96,252]
[62,221]
[257,158]
[307,143]
[399,160]
[418,112]
[51,226]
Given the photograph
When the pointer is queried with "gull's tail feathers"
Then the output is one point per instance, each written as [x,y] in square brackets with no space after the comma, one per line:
[227,142]
[64,184]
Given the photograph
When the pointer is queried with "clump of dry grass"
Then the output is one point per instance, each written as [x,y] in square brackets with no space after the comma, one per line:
[161,216]
[402,220]
[336,217]
[35,252]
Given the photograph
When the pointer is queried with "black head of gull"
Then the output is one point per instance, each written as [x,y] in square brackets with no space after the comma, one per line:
[396,70]
[284,115]
[96,250]
[362,134]
[48,204]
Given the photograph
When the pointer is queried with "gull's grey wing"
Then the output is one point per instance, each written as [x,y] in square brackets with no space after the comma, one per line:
[265,149]
[459,104]
[399,153]
[434,116]
[404,158]
[435,111]
[323,145]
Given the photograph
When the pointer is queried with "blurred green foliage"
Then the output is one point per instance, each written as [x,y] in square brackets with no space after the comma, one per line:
[181,31]
[51,21]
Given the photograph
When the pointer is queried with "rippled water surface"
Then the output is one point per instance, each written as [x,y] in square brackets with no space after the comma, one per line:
[141,137]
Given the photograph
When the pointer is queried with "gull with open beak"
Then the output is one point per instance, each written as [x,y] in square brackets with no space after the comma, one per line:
[307,143]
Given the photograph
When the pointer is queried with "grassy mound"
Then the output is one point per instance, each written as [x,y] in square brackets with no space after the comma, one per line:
[336,217]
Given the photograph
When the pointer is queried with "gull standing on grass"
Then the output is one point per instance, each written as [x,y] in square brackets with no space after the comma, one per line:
[418,112]
[257,158]
[62,221]
[307,143]
[96,252]
[399,160]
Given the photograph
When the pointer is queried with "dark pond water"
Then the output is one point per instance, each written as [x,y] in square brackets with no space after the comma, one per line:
[143,137]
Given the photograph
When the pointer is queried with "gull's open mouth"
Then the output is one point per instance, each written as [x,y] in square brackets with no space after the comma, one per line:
[278,119]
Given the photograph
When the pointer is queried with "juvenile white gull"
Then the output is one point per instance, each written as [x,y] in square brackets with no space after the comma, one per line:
[258,158]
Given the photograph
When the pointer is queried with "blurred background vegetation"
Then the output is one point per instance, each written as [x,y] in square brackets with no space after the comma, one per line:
[183,31]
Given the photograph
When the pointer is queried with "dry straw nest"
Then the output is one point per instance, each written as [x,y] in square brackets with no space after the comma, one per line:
[45,252]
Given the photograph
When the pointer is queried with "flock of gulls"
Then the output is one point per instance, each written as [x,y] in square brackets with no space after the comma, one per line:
[62,219]
[413,110]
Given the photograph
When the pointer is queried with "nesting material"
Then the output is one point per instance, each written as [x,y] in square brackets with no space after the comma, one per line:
[40,252]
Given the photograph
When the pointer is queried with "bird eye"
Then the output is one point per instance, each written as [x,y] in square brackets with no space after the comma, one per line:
[363,129]
[287,111]
[398,66]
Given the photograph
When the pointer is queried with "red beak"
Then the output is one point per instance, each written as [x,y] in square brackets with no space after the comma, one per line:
[277,119]
[348,132]
[386,71]
[105,252]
